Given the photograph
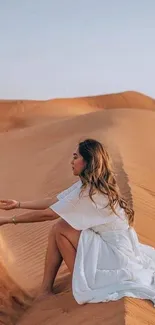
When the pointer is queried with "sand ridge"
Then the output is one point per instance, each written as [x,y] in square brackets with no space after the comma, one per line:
[35,162]
[20,114]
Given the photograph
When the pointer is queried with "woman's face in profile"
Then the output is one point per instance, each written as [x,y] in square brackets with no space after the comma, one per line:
[78,163]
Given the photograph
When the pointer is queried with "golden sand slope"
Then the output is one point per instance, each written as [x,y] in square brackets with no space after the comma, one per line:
[21,114]
[12,299]
[35,163]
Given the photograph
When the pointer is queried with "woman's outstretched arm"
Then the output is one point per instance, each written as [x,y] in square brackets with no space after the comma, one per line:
[29,217]
[40,204]
[36,204]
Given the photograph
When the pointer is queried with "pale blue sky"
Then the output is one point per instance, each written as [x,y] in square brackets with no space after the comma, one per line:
[67,48]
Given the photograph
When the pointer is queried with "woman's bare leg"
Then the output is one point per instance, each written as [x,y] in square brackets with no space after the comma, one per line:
[67,241]
[62,244]
[53,261]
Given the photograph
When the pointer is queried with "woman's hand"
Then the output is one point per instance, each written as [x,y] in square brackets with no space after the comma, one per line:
[4,221]
[9,204]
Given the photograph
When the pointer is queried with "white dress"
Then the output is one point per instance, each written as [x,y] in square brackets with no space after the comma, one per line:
[110,262]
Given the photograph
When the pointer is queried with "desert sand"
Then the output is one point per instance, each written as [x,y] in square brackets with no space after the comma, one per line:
[37,140]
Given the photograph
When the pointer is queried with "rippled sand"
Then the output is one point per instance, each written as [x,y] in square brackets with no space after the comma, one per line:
[37,140]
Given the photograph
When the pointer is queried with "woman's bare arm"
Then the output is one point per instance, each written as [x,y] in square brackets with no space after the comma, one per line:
[37,204]
[31,216]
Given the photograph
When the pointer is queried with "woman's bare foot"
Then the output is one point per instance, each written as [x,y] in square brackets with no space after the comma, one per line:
[43,294]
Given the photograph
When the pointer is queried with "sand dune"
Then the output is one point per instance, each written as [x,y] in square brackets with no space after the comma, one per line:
[21,114]
[35,162]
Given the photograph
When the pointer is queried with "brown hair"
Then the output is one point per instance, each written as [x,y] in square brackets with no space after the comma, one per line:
[98,173]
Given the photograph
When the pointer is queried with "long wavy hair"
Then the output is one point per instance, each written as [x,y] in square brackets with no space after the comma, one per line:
[99,175]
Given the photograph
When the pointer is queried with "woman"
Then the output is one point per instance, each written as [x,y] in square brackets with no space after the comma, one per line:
[94,234]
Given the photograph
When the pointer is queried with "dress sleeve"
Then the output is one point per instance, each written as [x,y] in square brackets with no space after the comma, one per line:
[80,211]
[67,191]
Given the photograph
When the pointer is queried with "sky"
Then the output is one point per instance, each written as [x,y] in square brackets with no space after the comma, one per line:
[67,48]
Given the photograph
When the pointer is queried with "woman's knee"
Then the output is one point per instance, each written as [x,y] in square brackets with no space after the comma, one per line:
[58,228]
[52,231]
[62,227]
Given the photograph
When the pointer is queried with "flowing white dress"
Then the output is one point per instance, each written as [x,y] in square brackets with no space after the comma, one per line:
[110,262]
